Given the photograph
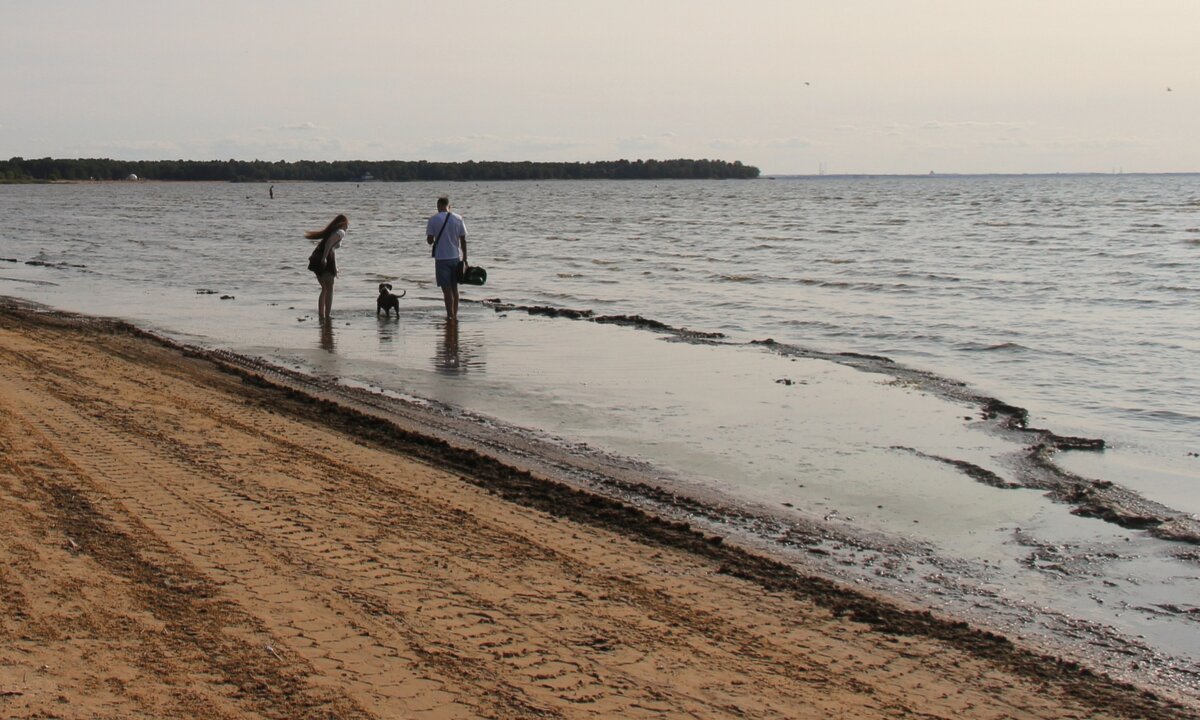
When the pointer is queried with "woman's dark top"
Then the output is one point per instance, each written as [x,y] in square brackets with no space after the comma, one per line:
[331,263]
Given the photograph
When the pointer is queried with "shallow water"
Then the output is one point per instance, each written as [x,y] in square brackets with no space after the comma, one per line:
[1073,297]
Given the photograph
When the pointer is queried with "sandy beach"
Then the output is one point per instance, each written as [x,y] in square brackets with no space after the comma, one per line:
[185,538]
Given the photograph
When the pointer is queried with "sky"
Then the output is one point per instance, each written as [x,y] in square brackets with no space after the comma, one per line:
[790,86]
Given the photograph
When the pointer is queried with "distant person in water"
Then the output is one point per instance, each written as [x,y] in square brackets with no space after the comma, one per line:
[323,261]
[271,190]
[446,233]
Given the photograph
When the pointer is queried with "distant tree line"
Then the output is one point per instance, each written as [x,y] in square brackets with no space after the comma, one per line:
[51,169]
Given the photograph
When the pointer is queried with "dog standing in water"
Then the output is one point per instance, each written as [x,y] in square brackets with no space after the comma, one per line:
[388,301]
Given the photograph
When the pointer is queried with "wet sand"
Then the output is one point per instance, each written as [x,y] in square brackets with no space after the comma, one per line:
[185,537]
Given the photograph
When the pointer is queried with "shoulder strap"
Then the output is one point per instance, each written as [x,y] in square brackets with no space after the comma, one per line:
[433,250]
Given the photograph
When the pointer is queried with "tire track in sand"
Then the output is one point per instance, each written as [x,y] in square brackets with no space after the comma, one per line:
[272,561]
[175,627]
[128,456]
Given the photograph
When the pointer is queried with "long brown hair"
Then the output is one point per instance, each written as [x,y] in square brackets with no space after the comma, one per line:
[338,223]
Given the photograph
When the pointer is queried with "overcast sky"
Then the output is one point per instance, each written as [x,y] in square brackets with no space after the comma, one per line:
[792,86]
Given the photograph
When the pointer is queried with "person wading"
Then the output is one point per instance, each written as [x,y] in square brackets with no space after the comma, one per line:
[323,262]
[446,233]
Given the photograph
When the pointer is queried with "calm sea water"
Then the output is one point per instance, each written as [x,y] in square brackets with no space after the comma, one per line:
[1074,297]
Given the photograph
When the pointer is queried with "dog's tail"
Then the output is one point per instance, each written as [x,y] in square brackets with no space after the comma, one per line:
[402,293]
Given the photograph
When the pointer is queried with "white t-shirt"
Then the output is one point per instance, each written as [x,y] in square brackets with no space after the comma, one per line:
[336,238]
[448,247]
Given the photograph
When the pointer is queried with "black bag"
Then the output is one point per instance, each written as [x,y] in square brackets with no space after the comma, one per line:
[473,275]
[314,260]
[463,275]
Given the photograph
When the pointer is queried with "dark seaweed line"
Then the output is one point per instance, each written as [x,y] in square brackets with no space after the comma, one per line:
[1100,499]
[636,321]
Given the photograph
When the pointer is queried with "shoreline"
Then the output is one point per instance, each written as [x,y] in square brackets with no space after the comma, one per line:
[734,591]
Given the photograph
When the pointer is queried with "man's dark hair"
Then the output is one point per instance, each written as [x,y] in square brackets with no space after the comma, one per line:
[443,202]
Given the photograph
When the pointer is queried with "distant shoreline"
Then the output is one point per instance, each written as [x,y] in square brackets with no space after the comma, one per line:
[770,177]
[99,169]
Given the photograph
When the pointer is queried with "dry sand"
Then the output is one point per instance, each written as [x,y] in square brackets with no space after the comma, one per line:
[181,539]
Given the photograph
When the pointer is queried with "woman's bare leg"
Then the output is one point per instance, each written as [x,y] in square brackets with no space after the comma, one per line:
[325,300]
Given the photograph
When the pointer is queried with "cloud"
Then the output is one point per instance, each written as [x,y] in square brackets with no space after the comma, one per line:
[503,148]
[304,126]
[1100,143]
[1006,142]
[541,146]
[293,147]
[260,144]
[129,149]
[641,145]
[446,149]
[792,143]
[984,125]
[779,144]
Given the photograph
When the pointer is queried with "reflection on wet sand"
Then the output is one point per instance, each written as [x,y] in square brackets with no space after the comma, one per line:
[451,358]
[327,341]
[389,330]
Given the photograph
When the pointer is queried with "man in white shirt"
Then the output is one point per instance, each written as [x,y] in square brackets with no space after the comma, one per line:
[447,234]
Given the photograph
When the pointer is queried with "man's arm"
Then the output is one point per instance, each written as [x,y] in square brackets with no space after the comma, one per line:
[463,241]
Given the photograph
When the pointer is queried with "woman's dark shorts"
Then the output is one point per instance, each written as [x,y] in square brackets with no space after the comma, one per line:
[329,269]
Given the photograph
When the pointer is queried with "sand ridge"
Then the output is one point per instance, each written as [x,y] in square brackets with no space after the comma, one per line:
[183,541]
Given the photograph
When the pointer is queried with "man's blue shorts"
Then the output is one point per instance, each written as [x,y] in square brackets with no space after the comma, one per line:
[446,271]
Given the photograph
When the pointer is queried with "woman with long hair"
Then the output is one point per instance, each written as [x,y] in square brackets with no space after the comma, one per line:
[323,261]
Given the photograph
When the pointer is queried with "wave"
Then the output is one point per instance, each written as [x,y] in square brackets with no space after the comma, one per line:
[1168,416]
[872,287]
[999,347]
[929,276]
[1025,224]
[559,295]
[38,283]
